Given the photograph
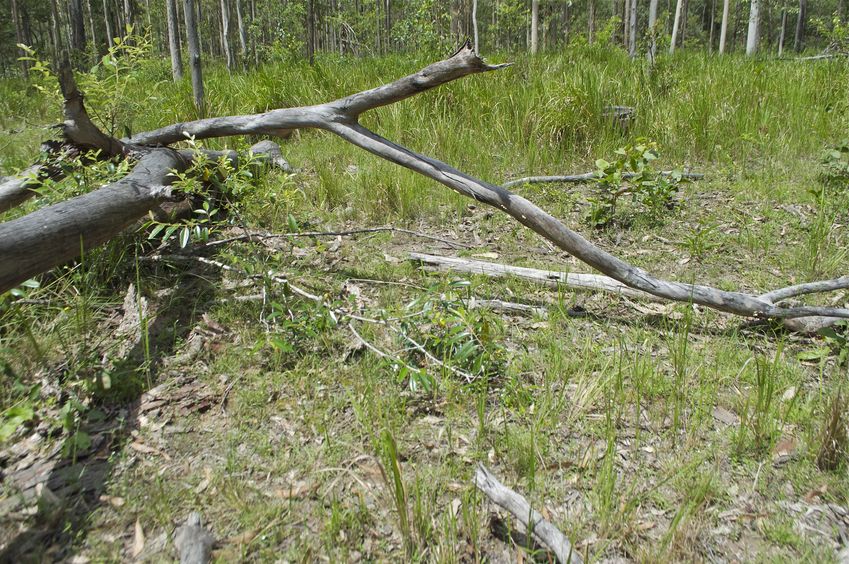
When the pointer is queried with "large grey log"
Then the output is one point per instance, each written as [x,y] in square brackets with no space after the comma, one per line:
[53,235]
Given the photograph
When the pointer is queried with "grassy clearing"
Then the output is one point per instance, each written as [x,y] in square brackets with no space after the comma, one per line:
[644,432]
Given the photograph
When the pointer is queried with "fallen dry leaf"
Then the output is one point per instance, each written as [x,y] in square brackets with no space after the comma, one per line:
[138,540]
[724,416]
[243,538]
[784,450]
[815,493]
[295,490]
[113,500]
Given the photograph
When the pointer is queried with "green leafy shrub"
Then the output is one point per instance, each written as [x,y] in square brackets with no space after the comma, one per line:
[462,338]
[631,174]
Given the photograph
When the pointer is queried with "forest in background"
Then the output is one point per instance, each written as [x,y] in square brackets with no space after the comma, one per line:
[246,32]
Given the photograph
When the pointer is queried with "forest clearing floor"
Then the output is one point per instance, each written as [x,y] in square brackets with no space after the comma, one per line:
[644,431]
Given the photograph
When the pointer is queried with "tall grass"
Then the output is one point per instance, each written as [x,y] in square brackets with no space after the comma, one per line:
[545,114]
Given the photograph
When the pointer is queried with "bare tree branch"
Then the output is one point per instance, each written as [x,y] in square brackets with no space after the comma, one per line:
[534,522]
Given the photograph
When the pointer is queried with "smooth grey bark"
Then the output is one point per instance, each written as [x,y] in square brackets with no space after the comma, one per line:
[19,35]
[75,13]
[56,234]
[533,521]
[534,26]
[676,25]
[474,23]
[55,37]
[799,39]
[754,27]
[632,29]
[653,33]
[243,34]
[92,30]
[194,54]
[15,189]
[174,39]
[107,20]
[225,33]
[723,33]
[783,31]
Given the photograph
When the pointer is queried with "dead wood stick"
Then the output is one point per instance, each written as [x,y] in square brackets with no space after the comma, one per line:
[551,278]
[193,541]
[807,288]
[340,233]
[586,177]
[518,506]
[506,307]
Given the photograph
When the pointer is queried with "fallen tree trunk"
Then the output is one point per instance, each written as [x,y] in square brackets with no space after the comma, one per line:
[57,234]
[15,190]
[341,117]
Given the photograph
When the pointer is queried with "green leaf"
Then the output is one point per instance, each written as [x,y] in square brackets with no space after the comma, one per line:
[816,354]
[13,419]
[184,237]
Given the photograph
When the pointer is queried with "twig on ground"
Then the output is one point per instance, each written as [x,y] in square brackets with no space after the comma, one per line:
[518,506]
[586,177]
[390,229]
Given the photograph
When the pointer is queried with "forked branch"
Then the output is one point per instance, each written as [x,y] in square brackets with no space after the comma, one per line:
[341,117]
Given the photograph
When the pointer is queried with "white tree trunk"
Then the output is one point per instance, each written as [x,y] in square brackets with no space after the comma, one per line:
[194,53]
[724,28]
[174,39]
[534,26]
[475,24]
[632,36]
[243,36]
[676,25]
[225,33]
[652,30]
[754,24]
[783,30]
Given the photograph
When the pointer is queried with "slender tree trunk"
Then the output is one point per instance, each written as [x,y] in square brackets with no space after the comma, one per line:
[754,25]
[475,24]
[723,29]
[799,40]
[129,13]
[685,10]
[225,33]
[591,22]
[194,54]
[676,24]
[107,20]
[534,26]
[19,35]
[632,34]
[55,36]
[243,34]
[712,25]
[75,12]
[783,31]
[91,29]
[174,39]
[311,32]
[652,31]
